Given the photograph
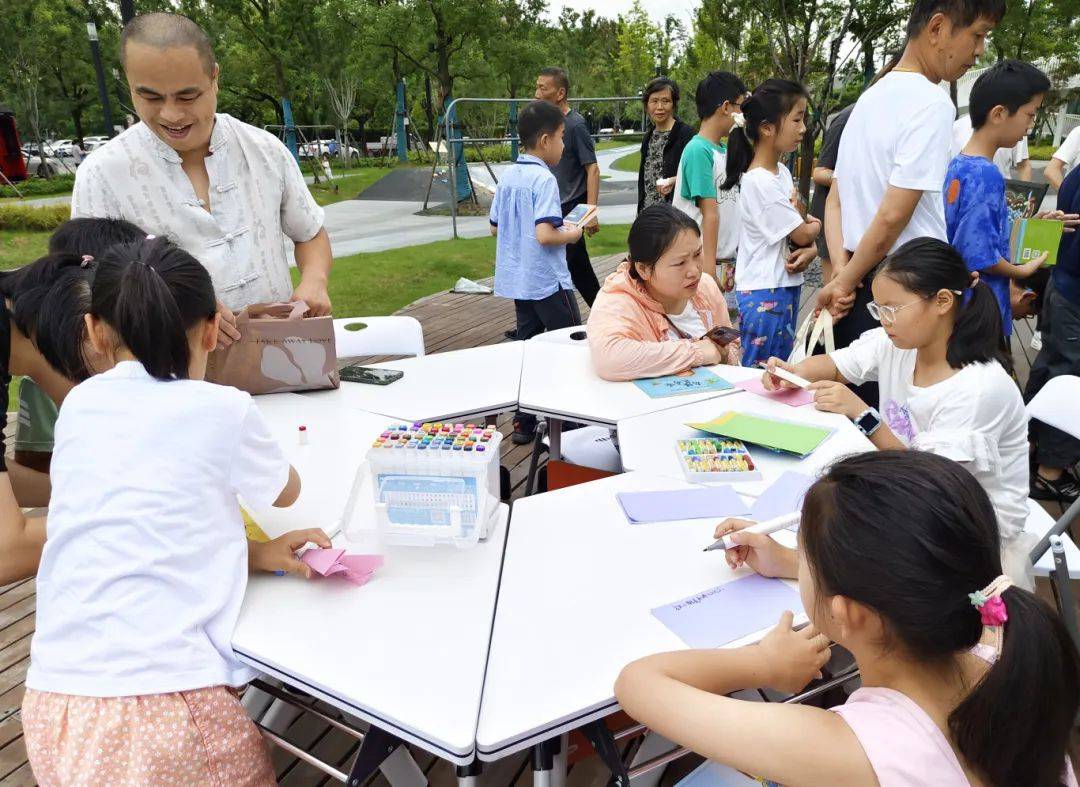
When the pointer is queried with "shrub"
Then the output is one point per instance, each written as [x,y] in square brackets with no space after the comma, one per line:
[31,218]
[40,187]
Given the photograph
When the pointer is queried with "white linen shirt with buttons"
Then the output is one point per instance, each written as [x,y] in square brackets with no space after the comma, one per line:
[145,565]
[257,198]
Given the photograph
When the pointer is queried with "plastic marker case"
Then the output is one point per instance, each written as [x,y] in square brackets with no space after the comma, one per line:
[435,483]
[706,459]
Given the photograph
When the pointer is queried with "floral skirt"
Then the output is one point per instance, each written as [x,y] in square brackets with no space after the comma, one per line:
[767,323]
[201,737]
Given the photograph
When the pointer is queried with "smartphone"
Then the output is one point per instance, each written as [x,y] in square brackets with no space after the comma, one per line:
[722,335]
[370,375]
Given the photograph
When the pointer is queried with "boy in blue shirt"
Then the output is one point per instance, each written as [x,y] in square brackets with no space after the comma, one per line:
[1003,104]
[530,255]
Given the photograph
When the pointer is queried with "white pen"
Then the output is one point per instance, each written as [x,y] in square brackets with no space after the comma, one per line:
[764,528]
[784,374]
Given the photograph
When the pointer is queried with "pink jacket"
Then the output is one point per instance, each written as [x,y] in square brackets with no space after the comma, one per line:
[628,333]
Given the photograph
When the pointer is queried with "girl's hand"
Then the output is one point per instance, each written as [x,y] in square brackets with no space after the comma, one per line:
[771,382]
[793,658]
[833,397]
[758,551]
[279,554]
[799,259]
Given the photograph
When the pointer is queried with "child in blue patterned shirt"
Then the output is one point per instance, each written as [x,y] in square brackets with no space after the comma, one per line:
[1003,104]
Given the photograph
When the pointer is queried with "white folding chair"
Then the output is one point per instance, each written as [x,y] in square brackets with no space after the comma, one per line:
[357,337]
[1055,405]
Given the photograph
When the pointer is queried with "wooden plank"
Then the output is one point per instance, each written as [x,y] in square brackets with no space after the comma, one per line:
[23,777]
[13,756]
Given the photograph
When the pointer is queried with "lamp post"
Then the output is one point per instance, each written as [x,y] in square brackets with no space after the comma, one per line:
[103,94]
[658,64]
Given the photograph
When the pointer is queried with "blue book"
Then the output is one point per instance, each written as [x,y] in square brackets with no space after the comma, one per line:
[700,380]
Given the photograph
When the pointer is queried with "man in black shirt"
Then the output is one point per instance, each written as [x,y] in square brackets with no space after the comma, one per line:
[578,175]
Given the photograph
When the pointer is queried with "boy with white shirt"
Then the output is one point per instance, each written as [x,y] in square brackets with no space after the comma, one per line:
[891,167]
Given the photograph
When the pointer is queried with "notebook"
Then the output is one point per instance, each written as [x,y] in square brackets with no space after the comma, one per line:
[700,380]
[790,437]
[1032,237]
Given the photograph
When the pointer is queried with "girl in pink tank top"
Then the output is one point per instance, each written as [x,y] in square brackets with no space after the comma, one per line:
[966,679]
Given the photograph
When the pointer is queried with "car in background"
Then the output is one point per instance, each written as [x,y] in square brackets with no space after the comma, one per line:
[326,147]
[43,166]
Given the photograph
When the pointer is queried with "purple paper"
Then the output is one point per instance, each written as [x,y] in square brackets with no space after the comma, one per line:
[796,397]
[784,496]
[705,502]
[728,612]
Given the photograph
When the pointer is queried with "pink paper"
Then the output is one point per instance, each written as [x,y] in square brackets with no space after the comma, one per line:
[796,397]
[357,569]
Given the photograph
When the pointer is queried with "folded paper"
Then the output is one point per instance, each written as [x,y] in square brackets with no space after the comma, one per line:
[794,397]
[357,569]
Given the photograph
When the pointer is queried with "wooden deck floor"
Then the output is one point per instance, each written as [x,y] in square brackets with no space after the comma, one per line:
[451,322]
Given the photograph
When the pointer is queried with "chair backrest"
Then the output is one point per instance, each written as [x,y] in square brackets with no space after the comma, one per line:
[1056,404]
[563,474]
[358,337]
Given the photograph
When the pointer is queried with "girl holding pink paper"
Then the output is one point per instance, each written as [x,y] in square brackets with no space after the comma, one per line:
[132,673]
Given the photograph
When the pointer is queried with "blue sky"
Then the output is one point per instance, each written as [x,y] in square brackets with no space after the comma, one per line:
[657,9]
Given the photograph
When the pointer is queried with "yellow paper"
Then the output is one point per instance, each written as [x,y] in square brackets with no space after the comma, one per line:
[252,529]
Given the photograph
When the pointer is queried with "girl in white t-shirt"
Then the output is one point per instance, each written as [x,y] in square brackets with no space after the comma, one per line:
[768,274]
[942,374]
[132,673]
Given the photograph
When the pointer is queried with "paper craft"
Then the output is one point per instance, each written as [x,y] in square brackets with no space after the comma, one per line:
[784,496]
[701,503]
[794,397]
[728,612]
[700,380]
[789,437]
[357,569]
[1031,237]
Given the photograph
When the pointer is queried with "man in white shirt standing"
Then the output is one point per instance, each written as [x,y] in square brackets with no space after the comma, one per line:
[893,156]
[1064,159]
[224,191]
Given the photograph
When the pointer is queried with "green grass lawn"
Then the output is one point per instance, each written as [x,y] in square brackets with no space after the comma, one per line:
[610,144]
[18,248]
[376,283]
[631,162]
[349,186]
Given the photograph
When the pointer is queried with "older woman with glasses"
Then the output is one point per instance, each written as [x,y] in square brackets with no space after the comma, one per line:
[663,144]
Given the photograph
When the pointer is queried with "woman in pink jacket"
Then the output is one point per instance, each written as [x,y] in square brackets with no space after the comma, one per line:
[654,311]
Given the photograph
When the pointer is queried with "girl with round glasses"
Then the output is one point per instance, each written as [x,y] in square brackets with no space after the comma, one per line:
[945,388]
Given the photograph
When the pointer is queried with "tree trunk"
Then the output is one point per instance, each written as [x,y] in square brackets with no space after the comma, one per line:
[806,165]
[429,108]
[868,61]
[76,120]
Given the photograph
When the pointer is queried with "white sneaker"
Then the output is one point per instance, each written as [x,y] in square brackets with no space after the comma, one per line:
[1036,341]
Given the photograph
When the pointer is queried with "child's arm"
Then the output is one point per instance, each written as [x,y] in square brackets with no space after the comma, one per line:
[710,228]
[548,235]
[21,539]
[494,229]
[291,491]
[678,695]
[806,233]
[1005,268]
[834,231]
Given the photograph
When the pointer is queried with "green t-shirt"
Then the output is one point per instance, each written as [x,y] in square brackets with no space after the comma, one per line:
[702,171]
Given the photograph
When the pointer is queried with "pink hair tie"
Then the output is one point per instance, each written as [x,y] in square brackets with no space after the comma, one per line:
[993,615]
[86,260]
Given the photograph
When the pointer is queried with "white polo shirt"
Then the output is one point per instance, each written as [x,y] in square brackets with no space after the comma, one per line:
[145,565]
[257,198]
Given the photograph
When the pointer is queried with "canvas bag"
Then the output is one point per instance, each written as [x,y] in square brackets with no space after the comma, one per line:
[279,350]
[806,339]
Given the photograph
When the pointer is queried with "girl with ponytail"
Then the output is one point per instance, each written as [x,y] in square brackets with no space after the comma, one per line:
[966,678]
[145,565]
[944,381]
[776,242]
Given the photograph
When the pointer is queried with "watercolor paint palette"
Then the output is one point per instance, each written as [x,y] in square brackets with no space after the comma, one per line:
[708,459]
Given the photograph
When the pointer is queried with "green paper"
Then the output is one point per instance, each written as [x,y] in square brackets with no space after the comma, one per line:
[1032,237]
[787,436]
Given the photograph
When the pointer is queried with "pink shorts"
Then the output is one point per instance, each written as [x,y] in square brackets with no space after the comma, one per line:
[201,737]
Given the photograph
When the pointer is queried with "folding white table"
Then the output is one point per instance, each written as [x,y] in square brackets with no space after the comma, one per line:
[456,385]
[647,443]
[558,381]
[575,569]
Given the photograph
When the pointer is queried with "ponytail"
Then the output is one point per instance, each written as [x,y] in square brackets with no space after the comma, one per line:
[926,266]
[1014,726]
[151,293]
[937,526]
[769,103]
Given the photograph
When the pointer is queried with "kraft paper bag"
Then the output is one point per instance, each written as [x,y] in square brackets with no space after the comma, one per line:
[279,350]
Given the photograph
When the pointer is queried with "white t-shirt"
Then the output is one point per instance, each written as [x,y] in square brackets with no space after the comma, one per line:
[899,134]
[689,322]
[145,565]
[727,206]
[1069,152]
[976,417]
[768,217]
[1005,159]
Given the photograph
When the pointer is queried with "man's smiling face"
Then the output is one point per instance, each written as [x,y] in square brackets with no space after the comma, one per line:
[173,94]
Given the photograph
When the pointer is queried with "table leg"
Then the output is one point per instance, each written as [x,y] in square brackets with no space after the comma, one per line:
[377,746]
[603,741]
[554,438]
[558,763]
[491,420]
[468,775]
[543,761]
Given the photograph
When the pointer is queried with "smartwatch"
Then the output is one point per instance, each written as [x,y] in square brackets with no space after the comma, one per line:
[868,422]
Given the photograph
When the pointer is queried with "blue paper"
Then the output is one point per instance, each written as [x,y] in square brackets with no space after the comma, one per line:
[784,496]
[703,502]
[714,774]
[729,612]
[700,380]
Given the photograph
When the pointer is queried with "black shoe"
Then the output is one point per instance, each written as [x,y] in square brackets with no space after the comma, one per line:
[1063,490]
[524,429]
[511,334]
